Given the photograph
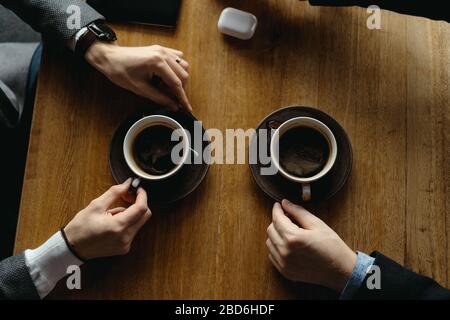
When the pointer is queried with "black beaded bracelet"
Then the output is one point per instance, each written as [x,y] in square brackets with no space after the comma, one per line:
[70,246]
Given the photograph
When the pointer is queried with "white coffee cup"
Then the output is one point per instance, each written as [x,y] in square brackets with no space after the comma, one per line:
[305,182]
[133,133]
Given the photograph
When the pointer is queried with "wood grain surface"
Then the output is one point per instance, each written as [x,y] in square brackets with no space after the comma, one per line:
[388,88]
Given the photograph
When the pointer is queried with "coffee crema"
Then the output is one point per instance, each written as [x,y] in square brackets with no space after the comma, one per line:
[152,150]
[303,151]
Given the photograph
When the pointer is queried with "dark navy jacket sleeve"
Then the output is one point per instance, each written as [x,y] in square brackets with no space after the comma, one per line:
[437,10]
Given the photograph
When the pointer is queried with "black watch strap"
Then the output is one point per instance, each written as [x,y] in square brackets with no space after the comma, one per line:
[84,43]
[95,31]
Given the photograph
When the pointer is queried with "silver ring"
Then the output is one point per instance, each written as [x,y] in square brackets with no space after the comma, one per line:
[178,60]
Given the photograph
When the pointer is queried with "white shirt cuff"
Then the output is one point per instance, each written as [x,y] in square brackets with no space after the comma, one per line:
[48,263]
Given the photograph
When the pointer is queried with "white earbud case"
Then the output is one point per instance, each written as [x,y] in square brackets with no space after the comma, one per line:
[237,23]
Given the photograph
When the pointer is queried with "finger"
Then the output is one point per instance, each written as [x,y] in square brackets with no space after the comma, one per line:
[183,63]
[134,229]
[115,210]
[282,223]
[275,263]
[274,236]
[150,92]
[303,217]
[171,79]
[134,213]
[113,194]
[272,248]
[176,84]
[181,73]
[176,52]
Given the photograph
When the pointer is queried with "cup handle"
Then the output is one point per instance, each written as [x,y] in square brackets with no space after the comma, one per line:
[273,124]
[306,192]
[134,185]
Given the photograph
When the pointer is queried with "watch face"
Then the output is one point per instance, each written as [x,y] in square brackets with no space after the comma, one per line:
[103,32]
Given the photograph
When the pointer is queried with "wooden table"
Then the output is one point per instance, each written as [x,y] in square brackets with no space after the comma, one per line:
[388,88]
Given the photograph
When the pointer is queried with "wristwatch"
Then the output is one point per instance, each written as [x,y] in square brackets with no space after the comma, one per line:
[94,31]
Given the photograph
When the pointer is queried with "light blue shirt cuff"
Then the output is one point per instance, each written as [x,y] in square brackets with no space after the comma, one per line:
[363,263]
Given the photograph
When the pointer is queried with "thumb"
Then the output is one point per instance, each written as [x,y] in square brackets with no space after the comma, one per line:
[135,212]
[113,194]
[300,215]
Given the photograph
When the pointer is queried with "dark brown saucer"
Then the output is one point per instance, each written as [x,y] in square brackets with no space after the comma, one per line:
[278,187]
[172,189]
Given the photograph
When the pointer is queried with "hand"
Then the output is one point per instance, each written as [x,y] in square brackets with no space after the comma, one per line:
[303,248]
[98,231]
[133,68]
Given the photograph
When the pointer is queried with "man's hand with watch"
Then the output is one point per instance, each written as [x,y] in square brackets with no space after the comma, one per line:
[154,72]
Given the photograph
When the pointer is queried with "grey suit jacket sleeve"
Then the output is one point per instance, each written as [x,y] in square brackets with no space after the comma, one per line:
[15,279]
[54,18]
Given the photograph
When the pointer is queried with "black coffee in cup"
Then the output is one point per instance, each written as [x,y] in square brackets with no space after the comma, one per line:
[152,150]
[303,151]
